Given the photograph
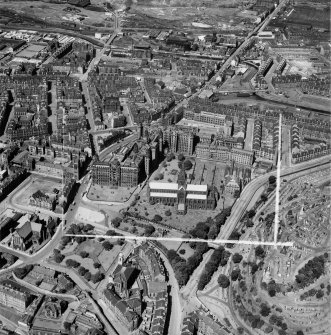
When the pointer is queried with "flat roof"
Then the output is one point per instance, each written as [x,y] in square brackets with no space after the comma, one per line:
[197,196]
[163,186]
[163,195]
[201,188]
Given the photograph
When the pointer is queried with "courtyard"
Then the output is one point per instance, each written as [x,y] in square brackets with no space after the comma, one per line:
[105,193]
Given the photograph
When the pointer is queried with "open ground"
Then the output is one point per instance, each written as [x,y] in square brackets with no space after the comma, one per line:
[44,184]
[51,11]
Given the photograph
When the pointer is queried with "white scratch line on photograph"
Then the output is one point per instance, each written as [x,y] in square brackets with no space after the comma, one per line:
[276,226]
[180,239]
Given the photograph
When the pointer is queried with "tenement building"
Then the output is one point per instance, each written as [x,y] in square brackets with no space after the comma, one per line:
[13,295]
[131,165]
[179,139]
[182,195]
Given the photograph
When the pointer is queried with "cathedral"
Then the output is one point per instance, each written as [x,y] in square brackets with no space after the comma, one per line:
[182,195]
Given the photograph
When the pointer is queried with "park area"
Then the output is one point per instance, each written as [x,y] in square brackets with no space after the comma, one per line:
[91,258]
[168,215]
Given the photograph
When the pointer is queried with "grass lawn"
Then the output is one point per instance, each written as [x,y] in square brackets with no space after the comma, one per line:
[87,263]
[171,244]
[93,247]
[106,258]
[188,250]
[170,171]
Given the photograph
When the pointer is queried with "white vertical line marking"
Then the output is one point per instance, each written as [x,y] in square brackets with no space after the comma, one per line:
[276,226]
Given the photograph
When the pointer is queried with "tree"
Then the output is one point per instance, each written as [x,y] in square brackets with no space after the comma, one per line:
[149,230]
[235,274]
[111,232]
[181,157]
[65,239]
[172,254]
[80,239]
[259,252]
[170,157]
[203,280]
[312,270]
[81,270]
[67,325]
[98,276]
[107,245]
[96,265]
[167,213]
[284,326]
[88,227]
[200,231]
[249,224]
[254,268]
[84,254]
[265,309]
[233,236]
[192,245]
[236,194]
[223,281]
[272,180]
[269,329]
[71,263]
[213,232]
[195,47]
[264,197]
[88,276]
[187,165]
[251,213]
[157,218]
[74,229]
[58,258]
[319,294]
[120,241]
[274,319]
[272,292]
[300,332]
[236,258]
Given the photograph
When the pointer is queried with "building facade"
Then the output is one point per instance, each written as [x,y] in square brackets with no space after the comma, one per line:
[12,296]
